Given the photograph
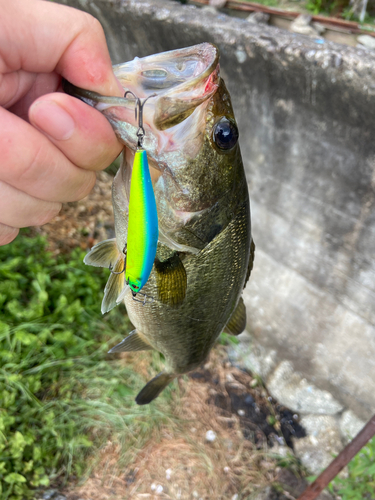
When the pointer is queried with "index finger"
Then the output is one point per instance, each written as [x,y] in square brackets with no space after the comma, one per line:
[51,37]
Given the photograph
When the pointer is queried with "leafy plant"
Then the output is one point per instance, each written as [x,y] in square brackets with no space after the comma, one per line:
[267,3]
[332,7]
[360,483]
[61,395]
[227,339]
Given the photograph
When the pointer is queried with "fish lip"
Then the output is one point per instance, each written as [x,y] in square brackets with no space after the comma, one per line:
[168,108]
[207,52]
[203,49]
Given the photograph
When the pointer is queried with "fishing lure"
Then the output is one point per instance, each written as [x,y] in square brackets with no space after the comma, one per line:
[143,232]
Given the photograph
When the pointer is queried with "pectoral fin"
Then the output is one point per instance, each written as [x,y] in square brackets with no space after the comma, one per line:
[237,322]
[114,286]
[104,254]
[171,280]
[153,388]
[133,342]
[172,243]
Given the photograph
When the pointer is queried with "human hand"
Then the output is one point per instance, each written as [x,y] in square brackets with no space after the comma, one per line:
[51,144]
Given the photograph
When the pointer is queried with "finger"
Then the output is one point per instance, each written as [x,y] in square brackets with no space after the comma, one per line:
[41,169]
[80,132]
[7,234]
[30,87]
[18,209]
[14,86]
[61,39]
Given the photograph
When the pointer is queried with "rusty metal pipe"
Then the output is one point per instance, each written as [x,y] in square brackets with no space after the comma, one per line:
[342,459]
[351,26]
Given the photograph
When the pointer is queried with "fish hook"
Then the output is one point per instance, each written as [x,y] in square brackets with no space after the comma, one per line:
[111,267]
[139,107]
[145,300]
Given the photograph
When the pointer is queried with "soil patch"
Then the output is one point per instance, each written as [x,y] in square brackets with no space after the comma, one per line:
[261,418]
[228,438]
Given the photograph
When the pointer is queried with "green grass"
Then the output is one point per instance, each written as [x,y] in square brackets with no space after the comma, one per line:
[360,482]
[61,395]
[266,3]
[338,8]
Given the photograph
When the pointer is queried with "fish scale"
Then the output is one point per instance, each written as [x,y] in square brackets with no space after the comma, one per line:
[219,265]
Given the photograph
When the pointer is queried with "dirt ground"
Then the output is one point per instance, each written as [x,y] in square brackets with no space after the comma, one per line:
[229,440]
[232,437]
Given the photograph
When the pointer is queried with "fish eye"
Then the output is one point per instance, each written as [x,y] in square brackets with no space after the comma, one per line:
[225,134]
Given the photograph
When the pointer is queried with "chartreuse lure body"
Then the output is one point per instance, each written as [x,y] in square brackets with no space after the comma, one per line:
[143,230]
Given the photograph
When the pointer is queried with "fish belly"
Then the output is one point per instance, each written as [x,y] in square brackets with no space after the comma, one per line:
[215,280]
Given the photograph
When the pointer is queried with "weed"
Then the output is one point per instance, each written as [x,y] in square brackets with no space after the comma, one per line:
[61,395]
[267,3]
[360,482]
[331,7]
[227,339]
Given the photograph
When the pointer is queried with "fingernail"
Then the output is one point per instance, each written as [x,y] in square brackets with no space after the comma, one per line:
[52,119]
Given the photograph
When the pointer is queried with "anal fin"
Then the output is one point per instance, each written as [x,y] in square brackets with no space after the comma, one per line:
[133,342]
[237,322]
[153,388]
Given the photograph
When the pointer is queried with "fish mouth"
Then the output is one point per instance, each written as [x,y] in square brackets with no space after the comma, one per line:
[180,80]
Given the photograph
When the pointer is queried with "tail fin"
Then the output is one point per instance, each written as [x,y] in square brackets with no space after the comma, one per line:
[106,254]
[153,388]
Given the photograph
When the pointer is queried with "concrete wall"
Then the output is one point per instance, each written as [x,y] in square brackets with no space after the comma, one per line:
[306,116]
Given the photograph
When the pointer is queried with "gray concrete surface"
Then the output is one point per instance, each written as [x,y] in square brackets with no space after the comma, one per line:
[305,110]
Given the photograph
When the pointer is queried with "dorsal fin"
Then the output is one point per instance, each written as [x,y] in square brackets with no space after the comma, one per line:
[237,322]
[133,342]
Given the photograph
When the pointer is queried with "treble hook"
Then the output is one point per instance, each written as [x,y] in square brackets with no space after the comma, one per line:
[145,300]
[110,267]
[146,297]
[139,107]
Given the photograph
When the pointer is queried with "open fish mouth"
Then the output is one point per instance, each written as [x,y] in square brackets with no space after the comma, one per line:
[182,80]
[162,72]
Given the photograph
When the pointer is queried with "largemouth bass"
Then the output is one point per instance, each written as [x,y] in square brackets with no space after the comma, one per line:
[205,251]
